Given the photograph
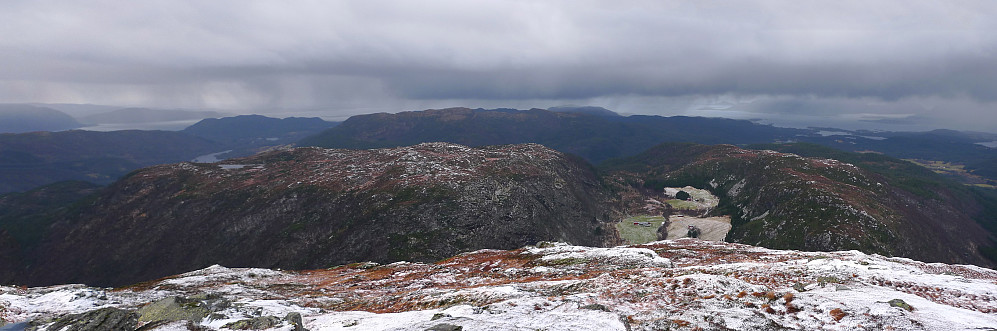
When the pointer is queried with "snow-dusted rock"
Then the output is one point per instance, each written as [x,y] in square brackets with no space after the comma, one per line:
[680,284]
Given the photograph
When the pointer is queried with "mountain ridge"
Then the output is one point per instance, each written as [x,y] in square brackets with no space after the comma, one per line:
[309,207]
[22,118]
[312,207]
[782,200]
[594,138]
[33,159]
[598,138]
[143,115]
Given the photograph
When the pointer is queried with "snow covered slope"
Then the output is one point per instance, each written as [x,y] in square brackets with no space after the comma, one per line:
[682,284]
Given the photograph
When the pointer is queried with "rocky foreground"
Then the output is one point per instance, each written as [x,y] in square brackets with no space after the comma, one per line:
[682,284]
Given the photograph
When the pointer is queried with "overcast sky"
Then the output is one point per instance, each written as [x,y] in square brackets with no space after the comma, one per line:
[925,62]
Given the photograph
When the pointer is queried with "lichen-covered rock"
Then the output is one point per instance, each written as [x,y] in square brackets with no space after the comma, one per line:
[98,320]
[174,309]
[294,319]
[900,304]
[255,323]
[211,301]
[799,287]
[595,306]
[445,327]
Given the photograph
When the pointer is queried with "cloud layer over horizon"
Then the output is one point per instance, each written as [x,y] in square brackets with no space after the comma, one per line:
[926,60]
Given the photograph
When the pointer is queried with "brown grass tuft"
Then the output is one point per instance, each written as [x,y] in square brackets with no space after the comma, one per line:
[838,314]
[768,309]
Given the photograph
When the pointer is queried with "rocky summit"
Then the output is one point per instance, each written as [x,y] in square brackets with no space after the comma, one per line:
[312,208]
[684,284]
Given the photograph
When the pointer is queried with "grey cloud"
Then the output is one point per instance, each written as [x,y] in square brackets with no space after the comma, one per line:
[342,54]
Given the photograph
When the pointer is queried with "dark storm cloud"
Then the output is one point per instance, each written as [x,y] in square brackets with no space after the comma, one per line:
[333,54]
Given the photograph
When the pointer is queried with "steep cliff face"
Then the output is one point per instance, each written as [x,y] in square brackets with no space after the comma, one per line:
[25,218]
[313,208]
[782,200]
